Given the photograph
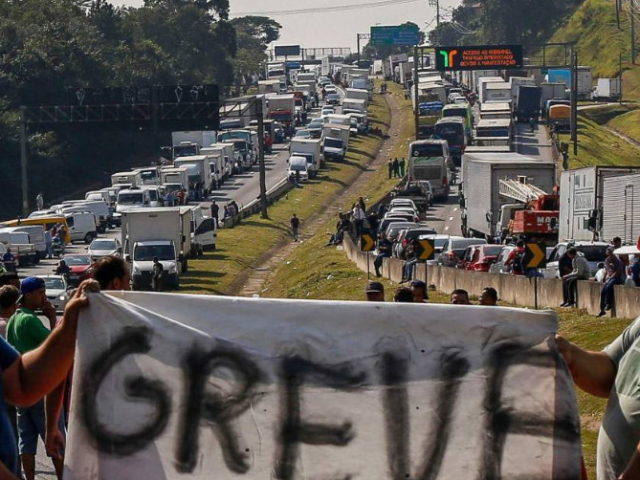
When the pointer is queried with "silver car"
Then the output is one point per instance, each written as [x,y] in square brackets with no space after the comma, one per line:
[56,290]
[102,247]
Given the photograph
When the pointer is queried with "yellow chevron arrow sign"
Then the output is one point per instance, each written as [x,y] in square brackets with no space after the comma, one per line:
[425,249]
[535,256]
[367,242]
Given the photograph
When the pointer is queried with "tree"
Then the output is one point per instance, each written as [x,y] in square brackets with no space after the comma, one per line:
[253,35]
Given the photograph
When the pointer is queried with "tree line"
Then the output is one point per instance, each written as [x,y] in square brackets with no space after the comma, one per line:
[48,46]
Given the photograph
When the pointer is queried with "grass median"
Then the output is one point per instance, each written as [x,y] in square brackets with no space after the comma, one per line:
[245,246]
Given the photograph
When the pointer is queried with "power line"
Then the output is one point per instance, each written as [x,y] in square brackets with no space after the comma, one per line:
[354,6]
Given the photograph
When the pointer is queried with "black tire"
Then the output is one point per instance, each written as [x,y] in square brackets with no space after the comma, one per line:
[89,237]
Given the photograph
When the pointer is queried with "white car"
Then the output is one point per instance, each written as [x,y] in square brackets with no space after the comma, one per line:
[330,89]
[594,252]
[56,290]
[102,247]
[402,202]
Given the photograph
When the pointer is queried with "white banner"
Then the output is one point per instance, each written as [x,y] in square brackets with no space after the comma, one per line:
[195,387]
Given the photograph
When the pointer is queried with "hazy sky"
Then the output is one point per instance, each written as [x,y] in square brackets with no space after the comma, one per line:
[332,27]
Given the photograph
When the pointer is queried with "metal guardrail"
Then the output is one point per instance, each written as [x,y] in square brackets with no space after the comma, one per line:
[253,207]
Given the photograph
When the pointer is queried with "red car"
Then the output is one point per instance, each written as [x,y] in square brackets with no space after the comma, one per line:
[480,257]
[80,267]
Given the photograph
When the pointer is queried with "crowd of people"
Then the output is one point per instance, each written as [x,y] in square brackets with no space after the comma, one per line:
[35,362]
[417,292]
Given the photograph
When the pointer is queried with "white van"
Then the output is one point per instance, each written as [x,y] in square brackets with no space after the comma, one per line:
[36,237]
[101,210]
[133,198]
[82,226]
[298,167]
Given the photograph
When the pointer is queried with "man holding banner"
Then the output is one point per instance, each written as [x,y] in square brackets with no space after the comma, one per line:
[613,374]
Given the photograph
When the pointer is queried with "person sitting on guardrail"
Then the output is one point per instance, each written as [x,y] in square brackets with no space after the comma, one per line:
[412,259]
[614,276]
[580,271]
[634,270]
[383,247]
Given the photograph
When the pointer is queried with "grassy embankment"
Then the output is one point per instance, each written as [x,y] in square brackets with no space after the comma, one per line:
[599,146]
[599,42]
[319,272]
[243,247]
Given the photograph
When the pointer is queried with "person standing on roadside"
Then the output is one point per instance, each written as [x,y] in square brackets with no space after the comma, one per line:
[39,201]
[401,165]
[295,225]
[358,218]
[390,167]
[396,168]
[215,211]
[48,243]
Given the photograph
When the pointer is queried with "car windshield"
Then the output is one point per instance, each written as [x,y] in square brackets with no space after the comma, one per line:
[77,260]
[53,283]
[593,253]
[302,134]
[426,150]
[103,245]
[330,142]
[145,253]
[492,251]
[129,198]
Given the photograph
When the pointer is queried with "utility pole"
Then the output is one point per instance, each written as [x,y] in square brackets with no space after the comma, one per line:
[633,34]
[436,3]
[574,99]
[416,108]
[263,175]
[23,162]
[620,66]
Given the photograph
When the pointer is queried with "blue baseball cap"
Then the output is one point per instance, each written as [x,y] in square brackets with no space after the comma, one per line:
[31,284]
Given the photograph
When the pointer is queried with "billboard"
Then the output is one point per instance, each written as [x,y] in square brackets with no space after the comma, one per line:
[399,35]
[480,57]
[287,51]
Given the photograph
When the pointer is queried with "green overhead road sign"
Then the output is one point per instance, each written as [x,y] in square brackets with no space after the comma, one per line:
[399,35]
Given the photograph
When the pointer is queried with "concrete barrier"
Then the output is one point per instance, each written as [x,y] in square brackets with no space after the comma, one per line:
[514,289]
[589,296]
[627,301]
[549,292]
[396,269]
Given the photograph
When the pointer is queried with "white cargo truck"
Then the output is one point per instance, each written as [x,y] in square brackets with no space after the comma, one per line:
[357,93]
[484,84]
[607,89]
[198,167]
[480,197]
[354,105]
[149,175]
[130,178]
[155,232]
[581,201]
[621,208]
[175,175]
[311,150]
[515,83]
[335,141]
[497,92]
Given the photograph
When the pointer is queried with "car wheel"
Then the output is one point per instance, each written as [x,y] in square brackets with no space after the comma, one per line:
[88,238]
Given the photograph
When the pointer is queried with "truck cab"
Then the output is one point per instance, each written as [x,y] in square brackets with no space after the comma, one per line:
[142,263]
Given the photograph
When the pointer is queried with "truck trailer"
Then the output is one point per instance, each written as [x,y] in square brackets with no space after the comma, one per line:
[582,201]
[480,199]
